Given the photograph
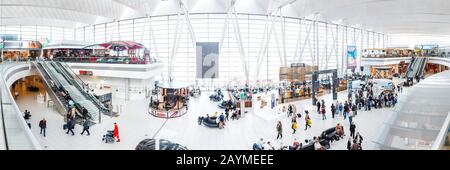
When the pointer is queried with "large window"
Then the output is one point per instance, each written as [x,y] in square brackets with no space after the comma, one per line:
[39,33]
[291,40]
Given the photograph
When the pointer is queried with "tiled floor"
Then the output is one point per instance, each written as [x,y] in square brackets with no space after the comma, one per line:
[136,124]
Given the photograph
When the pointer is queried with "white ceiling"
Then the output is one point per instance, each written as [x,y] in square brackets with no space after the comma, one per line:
[389,16]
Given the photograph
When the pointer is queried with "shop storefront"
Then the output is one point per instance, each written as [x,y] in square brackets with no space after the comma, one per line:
[20,50]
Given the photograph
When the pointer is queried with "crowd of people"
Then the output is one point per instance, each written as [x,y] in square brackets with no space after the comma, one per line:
[365,98]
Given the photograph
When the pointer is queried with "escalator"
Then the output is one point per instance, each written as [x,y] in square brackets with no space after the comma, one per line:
[52,87]
[421,71]
[412,68]
[78,83]
[60,83]
[416,69]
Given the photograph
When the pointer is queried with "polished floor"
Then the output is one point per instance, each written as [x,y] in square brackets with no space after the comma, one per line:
[136,124]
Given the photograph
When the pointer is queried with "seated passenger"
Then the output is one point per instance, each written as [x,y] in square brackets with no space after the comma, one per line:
[317,145]
[259,145]
[339,131]
[270,146]
[296,145]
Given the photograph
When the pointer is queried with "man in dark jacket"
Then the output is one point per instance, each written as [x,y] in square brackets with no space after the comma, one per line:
[318,106]
[43,126]
[352,129]
[86,128]
[355,109]
[71,126]
[85,112]
[333,110]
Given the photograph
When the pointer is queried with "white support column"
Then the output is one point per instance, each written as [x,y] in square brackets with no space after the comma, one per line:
[174,50]
[299,40]
[305,42]
[361,49]
[316,42]
[325,57]
[337,46]
[343,50]
[283,36]
[333,48]
[237,33]
[189,24]
[224,30]
[144,28]
[313,50]
[277,43]
[263,47]
[152,37]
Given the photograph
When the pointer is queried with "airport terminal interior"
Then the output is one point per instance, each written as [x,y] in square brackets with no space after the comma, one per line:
[225,75]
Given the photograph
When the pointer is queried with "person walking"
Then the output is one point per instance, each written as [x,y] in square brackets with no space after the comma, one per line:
[227,114]
[323,111]
[349,144]
[289,111]
[116,132]
[340,107]
[294,126]
[333,110]
[358,138]
[307,120]
[221,121]
[70,126]
[355,109]
[346,110]
[86,128]
[351,114]
[318,107]
[366,104]
[43,126]
[279,130]
[352,130]
[356,145]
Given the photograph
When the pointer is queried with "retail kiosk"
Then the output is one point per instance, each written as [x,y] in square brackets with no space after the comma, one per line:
[171,100]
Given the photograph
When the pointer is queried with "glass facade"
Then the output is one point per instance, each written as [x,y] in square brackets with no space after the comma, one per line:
[326,45]
[293,40]
[38,33]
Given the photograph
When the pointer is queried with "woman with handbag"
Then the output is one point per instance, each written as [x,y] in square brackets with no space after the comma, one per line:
[307,120]
[294,126]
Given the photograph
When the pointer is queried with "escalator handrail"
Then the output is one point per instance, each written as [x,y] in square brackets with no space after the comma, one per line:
[60,86]
[90,97]
[57,83]
[71,73]
[422,69]
[50,74]
[77,84]
[419,66]
[411,67]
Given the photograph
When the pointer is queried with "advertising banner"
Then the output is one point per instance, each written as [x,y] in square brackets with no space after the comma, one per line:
[208,60]
[22,45]
[351,57]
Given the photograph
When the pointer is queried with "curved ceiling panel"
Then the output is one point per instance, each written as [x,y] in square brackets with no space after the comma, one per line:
[390,16]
